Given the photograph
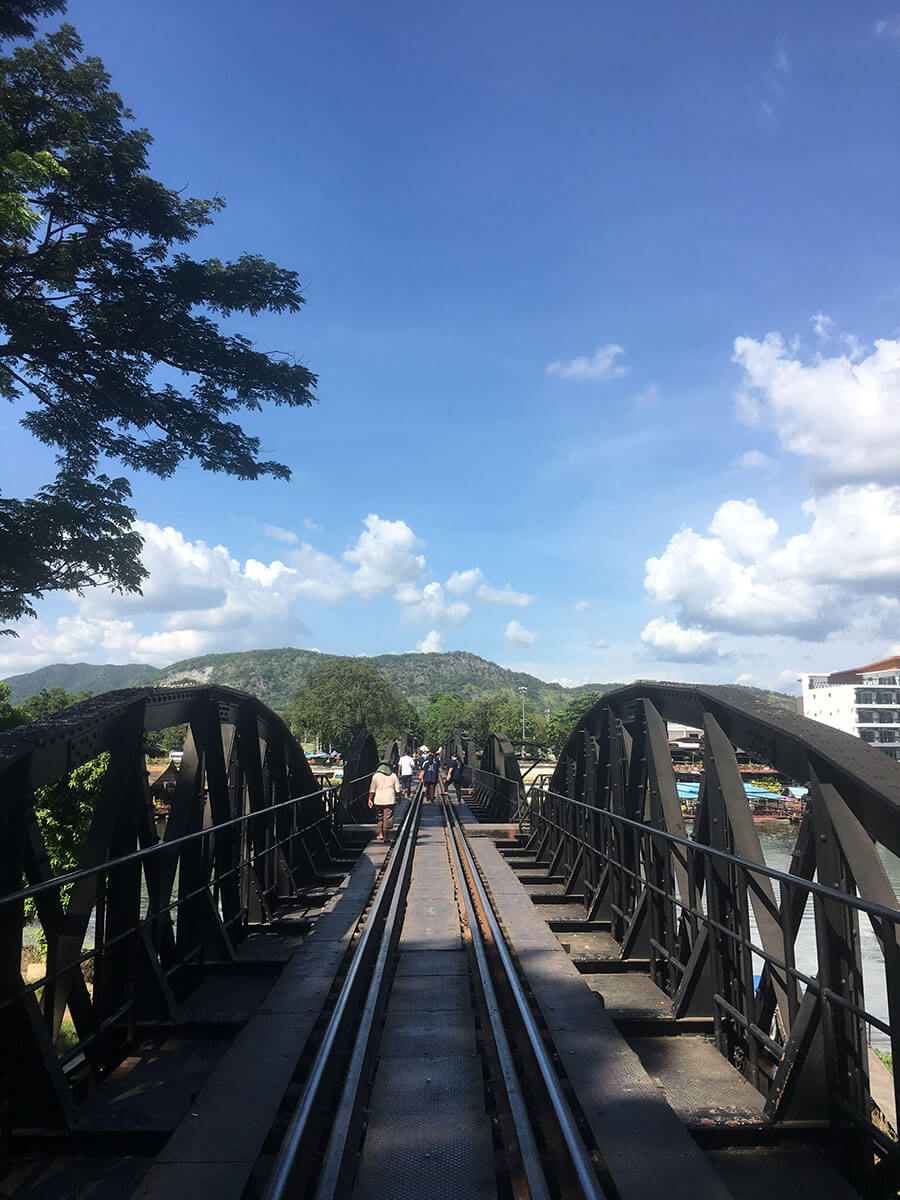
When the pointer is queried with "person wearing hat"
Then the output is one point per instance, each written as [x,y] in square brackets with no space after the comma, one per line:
[384,791]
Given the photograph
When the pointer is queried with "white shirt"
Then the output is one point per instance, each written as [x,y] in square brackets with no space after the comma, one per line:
[384,789]
[406,764]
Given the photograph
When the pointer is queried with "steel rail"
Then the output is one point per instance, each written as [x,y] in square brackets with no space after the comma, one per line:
[531,1160]
[578,1154]
[378,924]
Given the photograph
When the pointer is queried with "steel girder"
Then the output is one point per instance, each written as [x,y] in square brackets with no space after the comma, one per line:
[611,821]
[248,827]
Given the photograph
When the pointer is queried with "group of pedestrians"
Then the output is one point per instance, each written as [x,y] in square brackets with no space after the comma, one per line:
[386,787]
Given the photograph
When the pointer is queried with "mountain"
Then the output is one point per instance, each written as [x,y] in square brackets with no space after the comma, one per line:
[77,678]
[276,675]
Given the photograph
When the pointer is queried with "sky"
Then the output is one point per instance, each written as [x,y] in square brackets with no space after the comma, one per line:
[604,304]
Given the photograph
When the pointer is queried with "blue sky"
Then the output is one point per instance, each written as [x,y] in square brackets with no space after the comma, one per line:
[603,300]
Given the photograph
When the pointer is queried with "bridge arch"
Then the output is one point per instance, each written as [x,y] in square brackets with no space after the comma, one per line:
[248,828]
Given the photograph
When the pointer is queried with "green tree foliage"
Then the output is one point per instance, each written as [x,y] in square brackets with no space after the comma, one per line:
[64,810]
[503,714]
[10,714]
[51,700]
[344,697]
[158,742]
[108,330]
[445,715]
[561,724]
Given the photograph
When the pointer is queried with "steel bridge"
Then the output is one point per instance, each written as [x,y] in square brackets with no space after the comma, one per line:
[557,990]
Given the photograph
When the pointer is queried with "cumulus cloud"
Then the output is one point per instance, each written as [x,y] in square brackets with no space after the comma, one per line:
[473,583]
[745,579]
[518,635]
[386,557]
[668,641]
[841,413]
[312,526]
[200,598]
[603,364]
[752,460]
[431,643]
[428,604]
[581,606]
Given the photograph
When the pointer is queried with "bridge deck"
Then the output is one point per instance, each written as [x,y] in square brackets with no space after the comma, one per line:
[199,1109]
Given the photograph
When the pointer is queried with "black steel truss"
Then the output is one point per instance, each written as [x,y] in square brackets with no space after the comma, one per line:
[719,928]
[130,931]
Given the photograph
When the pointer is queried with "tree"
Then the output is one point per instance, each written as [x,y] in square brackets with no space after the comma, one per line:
[48,701]
[445,715]
[503,714]
[10,714]
[562,723]
[108,330]
[343,698]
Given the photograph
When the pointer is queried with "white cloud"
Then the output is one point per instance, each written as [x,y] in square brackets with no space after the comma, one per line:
[312,526]
[888,28]
[581,606]
[281,535]
[432,643]
[823,326]
[754,460]
[842,413]
[845,568]
[599,644]
[200,598]
[473,581]
[742,529]
[385,557]
[517,635]
[602,365]
[428,604]
[668,641]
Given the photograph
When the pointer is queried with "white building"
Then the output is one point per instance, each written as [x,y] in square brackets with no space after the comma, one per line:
[864,701]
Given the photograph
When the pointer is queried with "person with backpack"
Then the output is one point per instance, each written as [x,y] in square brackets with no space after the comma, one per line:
[454,776]
[430,775]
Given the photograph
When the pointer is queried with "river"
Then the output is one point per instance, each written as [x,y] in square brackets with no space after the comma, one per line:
[777,842]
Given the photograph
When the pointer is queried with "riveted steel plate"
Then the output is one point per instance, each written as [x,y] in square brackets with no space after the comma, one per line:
[427,1034]
[697,1081]
[435,993]
[433,962]
[428,1135]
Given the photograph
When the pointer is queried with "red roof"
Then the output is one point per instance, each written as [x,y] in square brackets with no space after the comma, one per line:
[855,674]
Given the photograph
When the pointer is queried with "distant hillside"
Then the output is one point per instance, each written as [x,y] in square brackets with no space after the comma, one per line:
[276,675]
[77,678]
[273,675]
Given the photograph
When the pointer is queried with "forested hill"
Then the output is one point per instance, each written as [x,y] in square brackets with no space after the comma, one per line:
[78,678]
[276,675]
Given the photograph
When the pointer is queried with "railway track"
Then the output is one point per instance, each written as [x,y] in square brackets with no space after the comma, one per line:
[431,1077]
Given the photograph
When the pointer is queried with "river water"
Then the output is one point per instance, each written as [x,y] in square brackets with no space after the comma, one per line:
[777,842]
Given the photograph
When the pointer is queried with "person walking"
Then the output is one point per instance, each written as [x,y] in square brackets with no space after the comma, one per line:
[454,776]
[406,766]
[430,774]
[383,793]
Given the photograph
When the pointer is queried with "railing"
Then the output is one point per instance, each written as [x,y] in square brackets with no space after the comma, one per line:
[718,927]
[129,932]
